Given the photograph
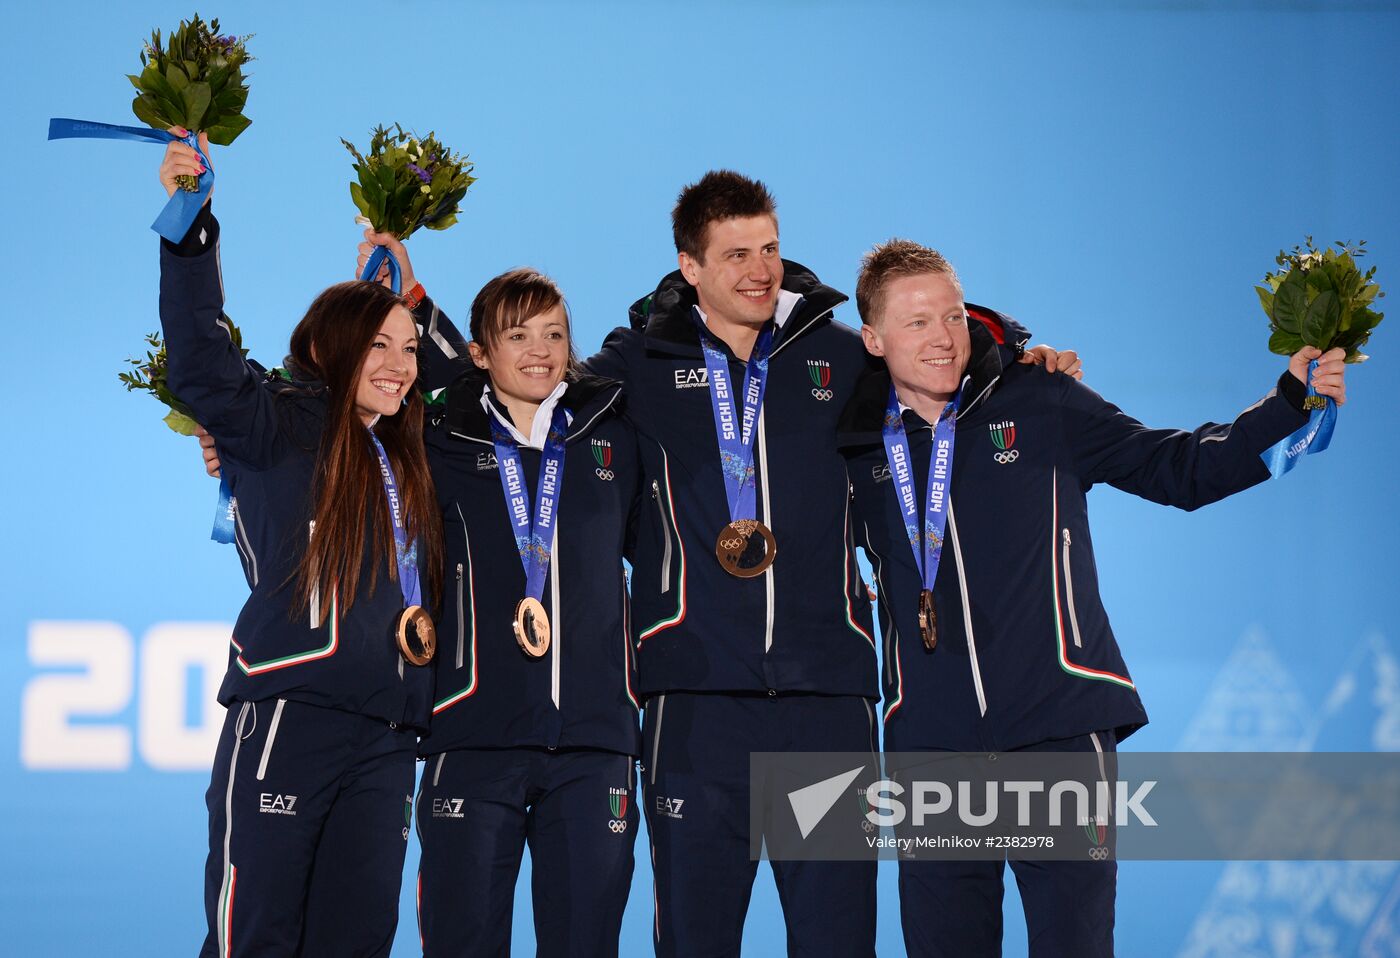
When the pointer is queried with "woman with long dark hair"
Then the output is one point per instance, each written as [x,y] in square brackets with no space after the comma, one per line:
[328,683]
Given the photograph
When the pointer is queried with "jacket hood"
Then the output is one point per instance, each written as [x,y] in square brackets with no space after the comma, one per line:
[586,396]
[862,420]
[664,315]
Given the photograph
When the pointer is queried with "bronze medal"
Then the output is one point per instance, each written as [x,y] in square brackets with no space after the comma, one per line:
[416,635]
[745,548]
[928,620]
[531,627]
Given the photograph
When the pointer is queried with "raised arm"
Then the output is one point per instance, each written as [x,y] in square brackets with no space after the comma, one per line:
[206,370]
[1191,469]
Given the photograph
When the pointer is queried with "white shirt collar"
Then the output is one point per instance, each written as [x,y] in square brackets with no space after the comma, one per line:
[539,429]
[787,302]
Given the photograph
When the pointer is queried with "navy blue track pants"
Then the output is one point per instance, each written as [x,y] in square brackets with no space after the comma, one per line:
[308,823]
[696,787]
[478,808]
[952,909]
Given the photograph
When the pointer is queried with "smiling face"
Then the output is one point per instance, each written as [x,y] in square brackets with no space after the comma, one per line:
[390,367]
[527,361]
[921,333]
[738,280]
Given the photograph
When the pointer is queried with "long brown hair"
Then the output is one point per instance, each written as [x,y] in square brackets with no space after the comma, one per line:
[331,344]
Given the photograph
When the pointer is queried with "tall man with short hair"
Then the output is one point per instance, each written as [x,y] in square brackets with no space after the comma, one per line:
[753,625]
[987,579]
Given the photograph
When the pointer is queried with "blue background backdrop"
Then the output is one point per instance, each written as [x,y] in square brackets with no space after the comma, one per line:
[1117,176]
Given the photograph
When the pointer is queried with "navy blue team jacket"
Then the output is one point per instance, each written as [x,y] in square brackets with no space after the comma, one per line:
[582,692]
[1025,652]
[804,625]
[268,432]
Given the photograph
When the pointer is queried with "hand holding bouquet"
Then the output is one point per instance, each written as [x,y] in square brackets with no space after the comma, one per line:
[194,83]
[1317,298]
[404,183]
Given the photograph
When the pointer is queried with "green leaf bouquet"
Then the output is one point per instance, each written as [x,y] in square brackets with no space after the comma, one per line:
[149,375]
[194,81]
[404,182]
[1321,298]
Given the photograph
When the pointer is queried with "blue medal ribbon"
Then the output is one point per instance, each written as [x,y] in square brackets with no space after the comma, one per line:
[1311,437]
[928,543]
[736,433]
[534,532]
[180,210]
[376,259]
[223,514]
[406,554]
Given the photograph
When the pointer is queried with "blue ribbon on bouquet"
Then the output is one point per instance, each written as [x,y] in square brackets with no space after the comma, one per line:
[376,260]
[1311,437]
[180,210]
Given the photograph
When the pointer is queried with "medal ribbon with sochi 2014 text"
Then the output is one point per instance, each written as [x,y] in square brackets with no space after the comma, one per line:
[407,554]
[1311,437]
[736,436]
[534,534]
[180,210]
[928,544]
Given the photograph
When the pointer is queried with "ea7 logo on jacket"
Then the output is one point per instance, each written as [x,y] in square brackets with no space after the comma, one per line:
[669,807]
[485,460]
[602,455]
[270,803]
[617,804]
[693,378]
[880,473]
[819,371]
[1004,437]
[448,808]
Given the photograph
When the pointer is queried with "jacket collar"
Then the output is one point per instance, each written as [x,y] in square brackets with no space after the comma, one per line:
[665,321]
[864,416]
[586,396]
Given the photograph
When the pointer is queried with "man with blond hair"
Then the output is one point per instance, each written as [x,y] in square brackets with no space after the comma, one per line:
[970,480]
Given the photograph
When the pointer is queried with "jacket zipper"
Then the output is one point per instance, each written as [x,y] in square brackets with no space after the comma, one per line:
[767,518]
[666,533]
[556,607]
[967,612]
[1069,591]
[247,544]
[461,623]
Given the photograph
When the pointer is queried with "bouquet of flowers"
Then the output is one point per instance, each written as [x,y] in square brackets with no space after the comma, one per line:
[1321,298]
[149,375]
[196,82]
[405,182]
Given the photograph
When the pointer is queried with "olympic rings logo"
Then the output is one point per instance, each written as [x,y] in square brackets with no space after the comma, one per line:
[618,826]
[605,474]
[1011,455]
[731,543]
[824,395]
[1099,854]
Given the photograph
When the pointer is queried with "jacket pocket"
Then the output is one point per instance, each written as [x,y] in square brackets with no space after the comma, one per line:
[271,738]
[1069,588]
[665,536]
[461,620]
[244,544]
